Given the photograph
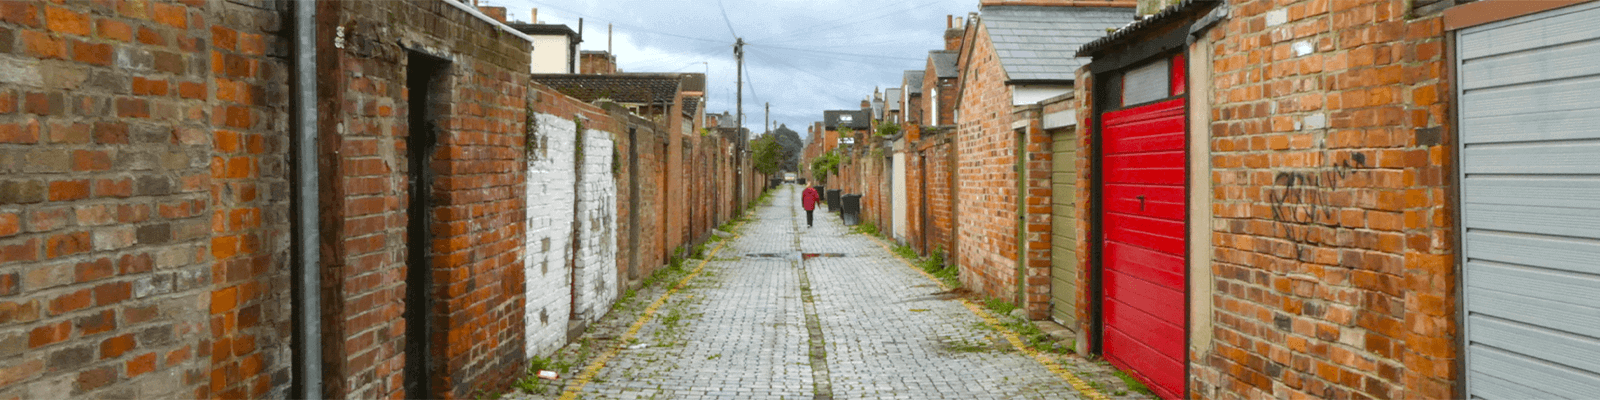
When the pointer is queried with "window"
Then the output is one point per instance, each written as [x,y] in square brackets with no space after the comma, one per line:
[1147,83]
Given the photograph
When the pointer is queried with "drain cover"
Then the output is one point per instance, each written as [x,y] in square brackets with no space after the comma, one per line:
[808,256]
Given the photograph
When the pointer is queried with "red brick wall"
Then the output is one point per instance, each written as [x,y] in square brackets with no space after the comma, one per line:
[476,257]
[1085,212]
[1036,211]
[939,176]
[1341,286]
[143,201]
[988,191]
[597,63]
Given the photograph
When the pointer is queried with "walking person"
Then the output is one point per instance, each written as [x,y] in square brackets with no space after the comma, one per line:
[808,200]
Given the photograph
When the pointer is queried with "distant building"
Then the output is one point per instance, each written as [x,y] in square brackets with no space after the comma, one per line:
[555,47]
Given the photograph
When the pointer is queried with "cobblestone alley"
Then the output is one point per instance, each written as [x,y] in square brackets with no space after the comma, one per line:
[783,311]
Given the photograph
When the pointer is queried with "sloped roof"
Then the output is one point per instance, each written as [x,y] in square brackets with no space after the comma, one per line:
[690,105]
[639,88]
[913,81]
[1182,10]
[944,63]
[1041,43]
[858,119]
[891,97]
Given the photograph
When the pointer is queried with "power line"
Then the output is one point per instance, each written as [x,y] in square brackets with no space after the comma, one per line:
[725,19]
[834,53]
[837,23]
[634,27]
[752,83]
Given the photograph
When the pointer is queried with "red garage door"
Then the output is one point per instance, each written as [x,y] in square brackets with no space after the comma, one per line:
[1143,268]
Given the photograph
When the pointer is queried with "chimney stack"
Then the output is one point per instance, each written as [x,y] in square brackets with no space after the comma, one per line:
[498,13]
[533,16]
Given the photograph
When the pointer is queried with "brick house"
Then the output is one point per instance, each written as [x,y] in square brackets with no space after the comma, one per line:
[911,104]
[939,89]
[1350,225]
[1011,56]
[597,62]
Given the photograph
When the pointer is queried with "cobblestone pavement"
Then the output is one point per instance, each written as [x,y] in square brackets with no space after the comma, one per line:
[764,322]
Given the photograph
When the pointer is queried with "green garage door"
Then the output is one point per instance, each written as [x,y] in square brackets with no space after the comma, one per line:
[1064,242]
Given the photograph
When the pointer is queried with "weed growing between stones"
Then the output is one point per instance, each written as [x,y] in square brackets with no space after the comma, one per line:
[1030,333]
[865,227]
[1133,384]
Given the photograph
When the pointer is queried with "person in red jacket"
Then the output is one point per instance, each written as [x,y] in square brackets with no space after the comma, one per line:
[808,200]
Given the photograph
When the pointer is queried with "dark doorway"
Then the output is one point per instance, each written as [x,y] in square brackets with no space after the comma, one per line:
[923,199]
[633,204]
[424,78]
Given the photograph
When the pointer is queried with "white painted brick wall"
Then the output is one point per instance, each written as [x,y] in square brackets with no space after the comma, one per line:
[551,176]
[550,196]
[597,271]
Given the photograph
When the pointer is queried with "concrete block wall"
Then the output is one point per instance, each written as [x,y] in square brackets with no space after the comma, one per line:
[143,200]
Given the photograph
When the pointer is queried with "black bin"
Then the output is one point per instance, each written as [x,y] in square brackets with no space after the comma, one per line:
[850,206]
[833,200]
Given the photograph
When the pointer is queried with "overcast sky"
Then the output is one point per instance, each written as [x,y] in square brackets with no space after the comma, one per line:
[802,56]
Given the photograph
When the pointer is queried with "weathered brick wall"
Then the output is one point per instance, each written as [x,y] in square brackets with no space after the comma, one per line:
[988,191]
[1036,210]
[1086,212]
[1333,246]
[143,200]
[595,281]
[475,257]
[940,193]
[551,194]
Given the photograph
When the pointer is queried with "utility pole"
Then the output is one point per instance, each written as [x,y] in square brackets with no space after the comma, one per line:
[769,117]
[738,54]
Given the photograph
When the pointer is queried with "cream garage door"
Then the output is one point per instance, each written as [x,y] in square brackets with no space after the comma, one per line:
[1530,204]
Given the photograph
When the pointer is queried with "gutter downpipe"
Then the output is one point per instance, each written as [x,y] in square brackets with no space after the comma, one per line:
[307,351]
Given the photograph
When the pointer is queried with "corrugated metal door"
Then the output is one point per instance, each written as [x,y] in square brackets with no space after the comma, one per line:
[1530,205]
[1143,218]
[1064,227]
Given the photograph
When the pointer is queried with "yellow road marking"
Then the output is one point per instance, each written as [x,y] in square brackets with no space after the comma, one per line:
[593,369]
[1016,340]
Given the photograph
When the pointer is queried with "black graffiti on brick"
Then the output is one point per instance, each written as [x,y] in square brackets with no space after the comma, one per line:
[1302,200]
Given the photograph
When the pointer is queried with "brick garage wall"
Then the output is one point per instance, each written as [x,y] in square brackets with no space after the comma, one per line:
[476,253]
[1085,211]
[143,200]
[940,195]
[1333,255]
[987,157]
[1036,209]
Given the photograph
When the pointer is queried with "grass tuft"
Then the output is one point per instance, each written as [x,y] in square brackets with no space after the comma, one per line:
[1133,384]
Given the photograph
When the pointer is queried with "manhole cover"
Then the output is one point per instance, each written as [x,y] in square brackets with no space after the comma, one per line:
[808,256]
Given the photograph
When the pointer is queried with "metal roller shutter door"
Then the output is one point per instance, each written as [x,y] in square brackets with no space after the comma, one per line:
[1530,204]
